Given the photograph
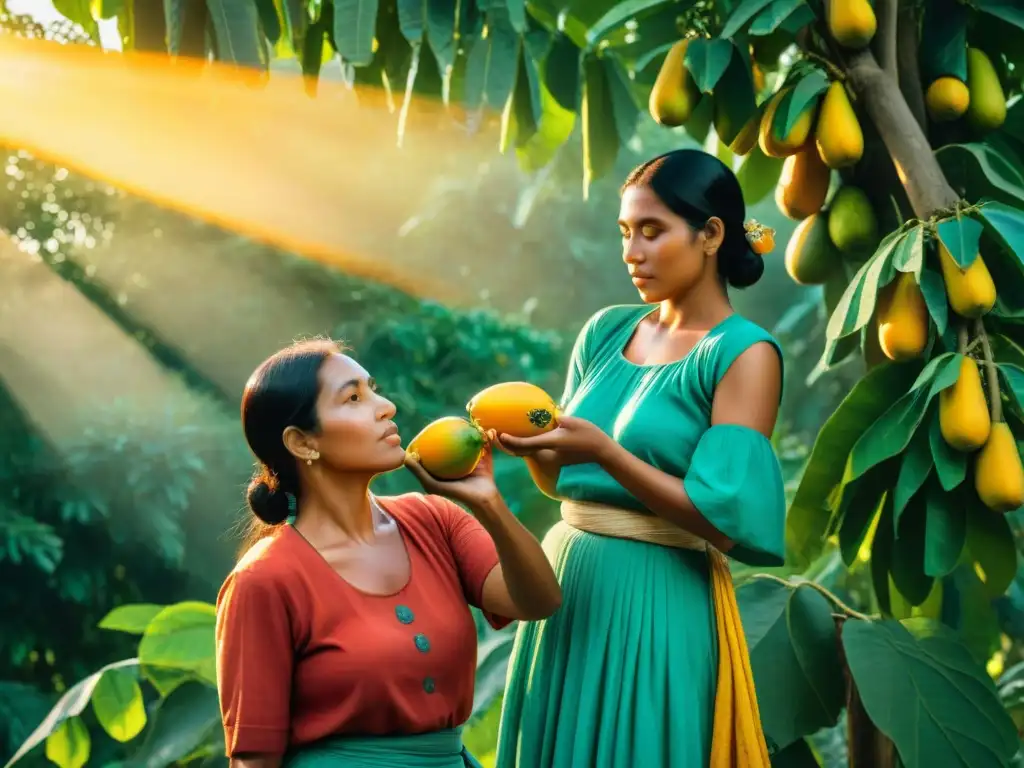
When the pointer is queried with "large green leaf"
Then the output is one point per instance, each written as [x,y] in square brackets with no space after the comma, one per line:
[555,125]
[520,122]
[950,464]
[600,135]
[563,72]
[355,22]
[864,405]
[181,723]
[803,97]
[441,22]
[915,467]
[132,618]
[236,27]
[1007,224]
[491,71]
[791,637]
[991,548]
[70,705]
[982,171]
[182,636]
[908,552]
[744,12]
[412,19]
[908,256]
[117,702]
[772,17]
[961,237]
[69,745]
[1009,11]
[944,40]
[707,60]
[857,508]
[620,13]
[890,434]
[929,696]
[945,529]
[933,287]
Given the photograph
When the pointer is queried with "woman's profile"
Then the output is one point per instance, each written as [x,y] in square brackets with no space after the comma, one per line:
[344,634]
[662,462]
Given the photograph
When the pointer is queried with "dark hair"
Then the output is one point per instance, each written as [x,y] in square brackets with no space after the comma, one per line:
[696,186]
[281,393]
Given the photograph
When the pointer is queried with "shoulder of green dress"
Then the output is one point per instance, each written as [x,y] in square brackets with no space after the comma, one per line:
[609,319]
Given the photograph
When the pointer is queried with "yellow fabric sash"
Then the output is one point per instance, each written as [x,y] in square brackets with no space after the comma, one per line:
[737,739]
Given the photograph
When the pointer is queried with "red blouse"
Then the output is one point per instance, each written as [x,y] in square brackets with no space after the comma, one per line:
[302,654]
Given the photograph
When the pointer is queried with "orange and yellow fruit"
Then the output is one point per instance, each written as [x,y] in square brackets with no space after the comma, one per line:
[449,448]
[515,408]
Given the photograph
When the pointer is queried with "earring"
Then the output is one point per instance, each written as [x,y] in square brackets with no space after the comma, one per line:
[313,457]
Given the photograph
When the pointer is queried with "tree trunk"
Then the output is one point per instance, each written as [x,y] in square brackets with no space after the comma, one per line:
[867,747]
[916,166]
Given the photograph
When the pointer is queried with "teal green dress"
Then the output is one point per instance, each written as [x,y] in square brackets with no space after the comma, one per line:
[624,674]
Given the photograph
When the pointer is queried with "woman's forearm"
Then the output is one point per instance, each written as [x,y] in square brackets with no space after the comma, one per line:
[528,576]
[659,491]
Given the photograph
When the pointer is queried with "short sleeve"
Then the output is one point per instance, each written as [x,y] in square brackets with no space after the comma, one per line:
[475,554]
[735,482]
[255,660]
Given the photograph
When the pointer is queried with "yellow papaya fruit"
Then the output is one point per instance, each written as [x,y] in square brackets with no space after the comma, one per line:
[449,448]
[902,319]
[674,94]
[851,220]
[514,408]
[851,22]
[971,291]
[790,144]
[803,184]
[757,77]
[946,99]
[987,108]
[838,136]
[998,473]
[747,137]
[963,412]
[810,257]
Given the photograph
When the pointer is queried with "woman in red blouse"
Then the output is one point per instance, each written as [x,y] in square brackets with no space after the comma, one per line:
[344,635]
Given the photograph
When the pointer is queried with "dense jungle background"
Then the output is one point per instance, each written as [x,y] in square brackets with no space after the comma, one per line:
[127,331]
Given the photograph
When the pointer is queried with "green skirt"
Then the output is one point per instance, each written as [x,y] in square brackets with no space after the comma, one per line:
[624,674]
[438,749]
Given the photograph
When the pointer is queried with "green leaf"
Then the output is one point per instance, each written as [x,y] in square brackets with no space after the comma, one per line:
[929,696]
[440,29]
[517,14]
[491,71]
[600,137]
[181,723]
[758,175]
[412,19]
[907,564]
[1007,224]
[991,548]
[950,464]
[1013,377]
[961,237]
[270,22]
[881,556]
[106,9]
[772,17]
[744,12]
[69,745]
[858,302]
[624,106]
[236,27]
[864,405]
[908,255]
[562,72]
[117,702]
[554,128]
[968,611]
[915,468]
[182,636]
[619,14]
[804,96]
[982,171]
[934,289]
[297,20]
[130,618]
[70,705]
[891,433]
[860,502]
[734,102]
[791,638]
[355,22]
[707,60]
[1009,11]
[944,40]
[80,12]
[945,530]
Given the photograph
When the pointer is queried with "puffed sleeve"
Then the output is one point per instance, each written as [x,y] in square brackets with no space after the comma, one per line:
[735,482]
[255,660]
[475,554]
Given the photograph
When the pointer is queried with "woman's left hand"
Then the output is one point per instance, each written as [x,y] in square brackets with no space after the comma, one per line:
[476,489]
[573,440]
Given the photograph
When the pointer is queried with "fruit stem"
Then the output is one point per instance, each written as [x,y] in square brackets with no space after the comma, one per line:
[961,339]
[991,372]
[821,590]
[835,72]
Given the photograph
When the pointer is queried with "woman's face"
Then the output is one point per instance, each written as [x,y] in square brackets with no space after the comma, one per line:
[356,433]
[665,257]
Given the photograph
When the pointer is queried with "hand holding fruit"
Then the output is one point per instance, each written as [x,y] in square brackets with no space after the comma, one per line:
[474,490]
[573,441]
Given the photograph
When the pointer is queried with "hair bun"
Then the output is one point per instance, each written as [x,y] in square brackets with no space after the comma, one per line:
[744,268]
[268,503]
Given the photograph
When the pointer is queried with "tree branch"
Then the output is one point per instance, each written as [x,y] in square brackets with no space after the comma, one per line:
[887,12]
[916,166]
[907,65]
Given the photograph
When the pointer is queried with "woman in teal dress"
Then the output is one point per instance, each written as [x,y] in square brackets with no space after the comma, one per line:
[661,461]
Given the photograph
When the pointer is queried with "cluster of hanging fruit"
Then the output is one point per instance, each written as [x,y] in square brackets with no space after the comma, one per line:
[980,101]
[450,448]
